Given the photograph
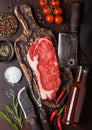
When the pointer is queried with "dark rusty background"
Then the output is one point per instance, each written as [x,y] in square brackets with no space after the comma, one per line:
[6,89]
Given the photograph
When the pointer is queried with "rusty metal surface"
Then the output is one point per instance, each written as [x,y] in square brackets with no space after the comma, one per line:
[7,90]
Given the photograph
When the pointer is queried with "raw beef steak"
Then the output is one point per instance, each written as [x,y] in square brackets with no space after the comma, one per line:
[43,61]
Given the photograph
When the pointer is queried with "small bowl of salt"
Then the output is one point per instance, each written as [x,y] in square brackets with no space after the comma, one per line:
[13,74]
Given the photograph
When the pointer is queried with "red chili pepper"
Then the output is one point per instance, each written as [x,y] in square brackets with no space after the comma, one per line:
[65,112]
[65,109]
[63,120]
[60,96]
[59,123]
[54,113]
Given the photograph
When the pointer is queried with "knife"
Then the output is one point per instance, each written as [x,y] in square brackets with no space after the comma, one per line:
[68,42]
[28,109]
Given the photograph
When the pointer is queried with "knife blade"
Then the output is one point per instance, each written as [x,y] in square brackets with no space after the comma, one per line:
[28,109]
[68,42]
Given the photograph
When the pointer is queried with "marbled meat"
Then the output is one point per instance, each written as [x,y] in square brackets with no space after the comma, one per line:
[43,61]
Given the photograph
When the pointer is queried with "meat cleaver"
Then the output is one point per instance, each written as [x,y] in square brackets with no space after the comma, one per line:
[28,109]
[68,42]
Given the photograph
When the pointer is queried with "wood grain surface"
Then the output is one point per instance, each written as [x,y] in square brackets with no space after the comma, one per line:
[7,90]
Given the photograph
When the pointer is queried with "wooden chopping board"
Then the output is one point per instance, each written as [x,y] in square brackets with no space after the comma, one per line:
[31,31]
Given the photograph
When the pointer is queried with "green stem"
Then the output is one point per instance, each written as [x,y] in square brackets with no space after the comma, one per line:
[49,1]
[19,121]
[61,110]
[12,115]
[16,112]
[8,120]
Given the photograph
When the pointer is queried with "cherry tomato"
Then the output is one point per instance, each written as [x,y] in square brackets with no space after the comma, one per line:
[58,11]
[50,18]
[58,19]
[55,2]
[43,3]
[46,10]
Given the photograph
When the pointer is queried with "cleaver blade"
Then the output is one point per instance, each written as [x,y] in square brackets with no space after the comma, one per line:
[68,42]
[67,50]
[28,109]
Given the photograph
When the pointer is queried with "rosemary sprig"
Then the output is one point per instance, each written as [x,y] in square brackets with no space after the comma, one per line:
[9,121]
[12,115]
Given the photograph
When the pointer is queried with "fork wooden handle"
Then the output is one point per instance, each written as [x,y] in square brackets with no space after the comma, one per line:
[34,124]
[45,123]
[44,119]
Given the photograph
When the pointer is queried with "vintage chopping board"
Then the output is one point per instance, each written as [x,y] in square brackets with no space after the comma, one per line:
[7,90]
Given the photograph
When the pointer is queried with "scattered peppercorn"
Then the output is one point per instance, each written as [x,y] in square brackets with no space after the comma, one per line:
[8,24]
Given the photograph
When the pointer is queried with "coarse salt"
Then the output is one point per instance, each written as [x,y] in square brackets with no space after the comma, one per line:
[13,74]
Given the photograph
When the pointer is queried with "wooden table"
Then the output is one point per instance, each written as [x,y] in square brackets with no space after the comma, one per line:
[7,90]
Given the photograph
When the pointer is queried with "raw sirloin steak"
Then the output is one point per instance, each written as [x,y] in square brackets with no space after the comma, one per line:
[43,61]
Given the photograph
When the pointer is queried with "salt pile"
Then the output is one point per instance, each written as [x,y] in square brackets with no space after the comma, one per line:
[13,74]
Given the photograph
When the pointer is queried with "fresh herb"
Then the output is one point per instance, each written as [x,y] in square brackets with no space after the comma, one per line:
[61,110]
[12,115]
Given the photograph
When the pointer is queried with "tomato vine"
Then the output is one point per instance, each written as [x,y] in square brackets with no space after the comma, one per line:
[52,10]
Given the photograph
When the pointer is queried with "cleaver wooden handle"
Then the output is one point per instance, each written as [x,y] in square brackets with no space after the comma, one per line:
[75,17]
